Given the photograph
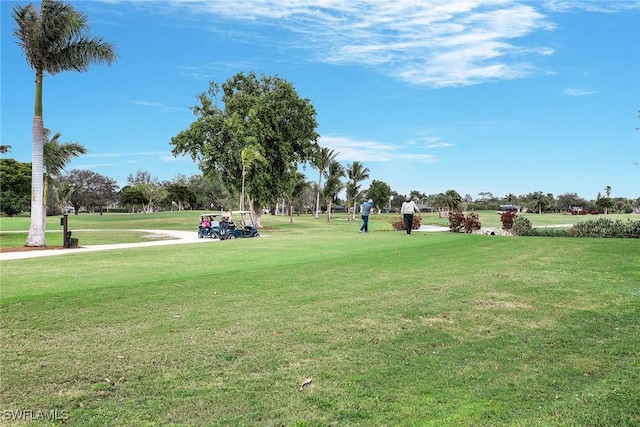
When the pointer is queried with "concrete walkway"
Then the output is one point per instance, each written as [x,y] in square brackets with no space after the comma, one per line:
[432,228]
[165,237]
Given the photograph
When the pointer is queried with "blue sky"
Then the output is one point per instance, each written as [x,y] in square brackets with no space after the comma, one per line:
[494,96]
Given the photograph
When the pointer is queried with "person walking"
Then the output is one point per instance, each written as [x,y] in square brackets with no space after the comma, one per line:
[408,209]
[365,210]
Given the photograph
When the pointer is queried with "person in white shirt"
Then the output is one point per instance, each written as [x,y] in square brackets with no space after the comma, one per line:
[408,209]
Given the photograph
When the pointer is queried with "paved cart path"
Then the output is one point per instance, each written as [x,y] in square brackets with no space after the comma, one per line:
[165,237]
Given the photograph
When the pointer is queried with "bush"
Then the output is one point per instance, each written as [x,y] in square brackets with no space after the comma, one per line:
[522,227]
[458,223]
[472,223]
[399,224]
[607,228]
[550,232]
[13,204]
[507,219]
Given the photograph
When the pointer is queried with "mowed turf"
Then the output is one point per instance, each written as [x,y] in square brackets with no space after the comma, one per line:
[382,329]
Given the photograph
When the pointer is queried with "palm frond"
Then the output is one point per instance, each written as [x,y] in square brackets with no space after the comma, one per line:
[57,39]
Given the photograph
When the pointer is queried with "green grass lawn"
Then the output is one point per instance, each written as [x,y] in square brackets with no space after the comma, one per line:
[435,329]
[94,229]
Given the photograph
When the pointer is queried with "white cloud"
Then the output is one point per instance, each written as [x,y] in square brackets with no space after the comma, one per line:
[578,92]
[440,145]
[435,43]
[428,42]
[163,108]
[591,5]
[370,151]
[430,142]
[349,150]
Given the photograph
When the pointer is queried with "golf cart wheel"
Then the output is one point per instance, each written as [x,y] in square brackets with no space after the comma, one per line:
[231,237]
[257,235]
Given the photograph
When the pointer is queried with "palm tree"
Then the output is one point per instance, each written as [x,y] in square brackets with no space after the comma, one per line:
[333,185]
[453,199]
[321,161]
[441,201]
[537,201]
[64,190]
[296,186]
[56,156]
[356,172]
[249,155]
[53,40]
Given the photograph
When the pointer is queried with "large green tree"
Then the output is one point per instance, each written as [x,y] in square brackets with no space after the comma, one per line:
[133,197]
[151,188]
[380,192]
[568,201]
[180,195]
[211,193]
[15,183]
[54,39]
[90,190]
[263,111]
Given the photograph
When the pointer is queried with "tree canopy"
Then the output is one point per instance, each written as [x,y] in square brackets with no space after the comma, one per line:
[15,181]
[90,190]
[380,192]
[265,112]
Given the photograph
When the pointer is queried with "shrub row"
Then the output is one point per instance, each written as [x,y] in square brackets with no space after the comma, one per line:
[604,227]
[601,227]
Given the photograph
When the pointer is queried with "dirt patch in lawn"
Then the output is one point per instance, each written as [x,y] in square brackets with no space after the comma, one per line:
[29,248]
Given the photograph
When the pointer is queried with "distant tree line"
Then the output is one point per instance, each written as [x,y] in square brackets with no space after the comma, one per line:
[83,190]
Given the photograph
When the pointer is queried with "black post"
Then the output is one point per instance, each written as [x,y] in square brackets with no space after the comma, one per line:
[64,224]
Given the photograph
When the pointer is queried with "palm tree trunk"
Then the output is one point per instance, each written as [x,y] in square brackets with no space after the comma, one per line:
[242,192]
[256,213]
[318,197]
[45,195]
[36,232]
